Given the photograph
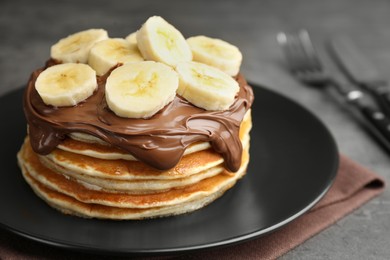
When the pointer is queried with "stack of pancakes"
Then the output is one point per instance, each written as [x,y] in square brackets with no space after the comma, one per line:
[87,177]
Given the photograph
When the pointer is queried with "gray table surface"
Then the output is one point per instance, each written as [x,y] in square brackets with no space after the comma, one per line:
[29,28]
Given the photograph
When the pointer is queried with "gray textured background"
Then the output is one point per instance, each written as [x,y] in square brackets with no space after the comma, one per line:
[29,28]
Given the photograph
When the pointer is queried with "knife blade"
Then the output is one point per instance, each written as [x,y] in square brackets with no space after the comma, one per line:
[360,70]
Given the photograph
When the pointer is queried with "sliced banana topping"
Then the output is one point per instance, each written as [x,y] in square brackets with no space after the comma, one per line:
[66,84]
[206,86]
[160,41]
[107,53]
[75,48]
[132,38]
[139,90]
[216,53]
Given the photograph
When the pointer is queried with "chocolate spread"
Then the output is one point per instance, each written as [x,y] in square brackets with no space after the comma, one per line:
[159,141]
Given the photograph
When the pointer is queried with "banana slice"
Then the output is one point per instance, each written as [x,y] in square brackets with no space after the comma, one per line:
[107,53]
[139,90]
[205,86]
[132,38]
[66,84]
[75,48]
[216,53]
[160,41]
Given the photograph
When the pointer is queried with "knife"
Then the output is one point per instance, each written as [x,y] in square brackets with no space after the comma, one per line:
[360,71]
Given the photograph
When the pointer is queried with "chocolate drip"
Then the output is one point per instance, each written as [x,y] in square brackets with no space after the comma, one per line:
[159,141]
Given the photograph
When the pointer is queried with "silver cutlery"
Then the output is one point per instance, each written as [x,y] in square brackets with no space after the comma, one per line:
[360,70]
[306,66]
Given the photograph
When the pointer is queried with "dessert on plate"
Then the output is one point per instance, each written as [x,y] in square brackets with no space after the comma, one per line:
[146,126]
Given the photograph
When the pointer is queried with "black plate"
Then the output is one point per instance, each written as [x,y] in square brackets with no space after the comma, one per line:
[294,160]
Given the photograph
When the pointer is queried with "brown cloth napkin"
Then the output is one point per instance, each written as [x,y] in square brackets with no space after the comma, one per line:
[353,186]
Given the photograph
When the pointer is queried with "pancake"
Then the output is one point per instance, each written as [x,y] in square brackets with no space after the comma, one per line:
[70,197]
[68,205]
[90,178]
[131,186]
[133,170]
[88,145]
[135,186]
[87,186]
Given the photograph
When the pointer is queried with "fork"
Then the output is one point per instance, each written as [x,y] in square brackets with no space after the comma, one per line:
[305,65]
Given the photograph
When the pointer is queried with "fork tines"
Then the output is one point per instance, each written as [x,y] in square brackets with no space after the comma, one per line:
[299,52]
[302,58]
